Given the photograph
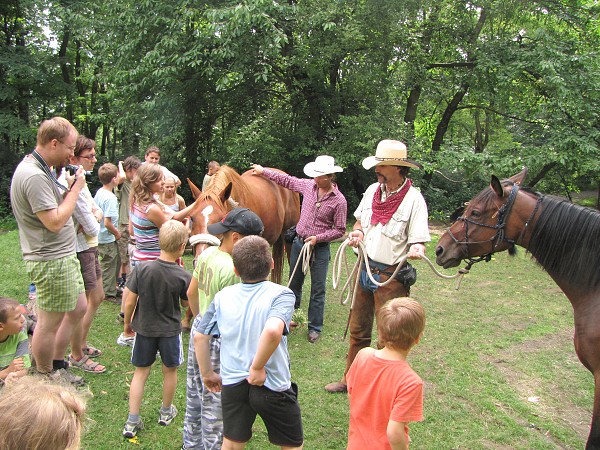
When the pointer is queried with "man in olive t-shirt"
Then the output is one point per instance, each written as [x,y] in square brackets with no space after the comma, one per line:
[43,209]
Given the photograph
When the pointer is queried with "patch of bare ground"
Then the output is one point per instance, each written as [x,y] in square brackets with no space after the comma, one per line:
[437,228]
[557,408]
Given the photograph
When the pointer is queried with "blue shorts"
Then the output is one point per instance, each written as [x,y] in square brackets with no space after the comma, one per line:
[280,412]
[144,350]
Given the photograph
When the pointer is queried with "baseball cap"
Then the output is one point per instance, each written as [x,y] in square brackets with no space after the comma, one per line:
[241,220]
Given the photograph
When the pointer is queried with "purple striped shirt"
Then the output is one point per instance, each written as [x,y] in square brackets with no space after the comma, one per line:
[324,218]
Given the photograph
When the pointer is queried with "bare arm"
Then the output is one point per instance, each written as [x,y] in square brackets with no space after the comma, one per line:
[55,219]
[111,228]
[193,297]
[130,302]
[267,343]
[396,435]
[211,380]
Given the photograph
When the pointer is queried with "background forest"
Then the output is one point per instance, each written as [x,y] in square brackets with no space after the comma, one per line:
[474,88]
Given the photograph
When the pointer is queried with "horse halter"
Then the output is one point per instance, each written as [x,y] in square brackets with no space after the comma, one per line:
[500,227]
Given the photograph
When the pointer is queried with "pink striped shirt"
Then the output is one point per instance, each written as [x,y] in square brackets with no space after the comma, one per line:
[324,218]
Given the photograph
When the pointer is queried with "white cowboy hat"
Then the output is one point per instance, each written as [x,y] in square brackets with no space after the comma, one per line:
[323,165]
[390,153]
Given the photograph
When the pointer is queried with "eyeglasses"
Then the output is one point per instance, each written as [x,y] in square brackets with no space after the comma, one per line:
[90,157]
[71,148]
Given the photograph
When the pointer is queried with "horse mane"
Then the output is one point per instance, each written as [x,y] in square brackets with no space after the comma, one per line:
[565,241]
[218,183]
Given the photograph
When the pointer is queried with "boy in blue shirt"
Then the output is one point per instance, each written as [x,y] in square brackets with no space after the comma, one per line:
[108,250]
[252,318]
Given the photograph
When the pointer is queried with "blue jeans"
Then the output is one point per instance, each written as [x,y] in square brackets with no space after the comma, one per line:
[318,276]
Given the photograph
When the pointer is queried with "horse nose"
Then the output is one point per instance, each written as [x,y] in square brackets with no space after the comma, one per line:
[439,250]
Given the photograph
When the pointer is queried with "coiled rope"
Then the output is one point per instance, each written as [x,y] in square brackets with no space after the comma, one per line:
[341,257]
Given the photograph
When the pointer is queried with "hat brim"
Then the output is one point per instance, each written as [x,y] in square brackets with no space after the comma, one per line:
[312,170]
[217,228]
[372,161]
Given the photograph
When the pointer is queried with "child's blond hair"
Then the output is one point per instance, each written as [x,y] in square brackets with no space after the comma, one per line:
[39,415]
[172,235]
[400,323]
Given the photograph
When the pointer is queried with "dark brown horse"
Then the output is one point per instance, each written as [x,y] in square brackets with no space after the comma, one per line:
[278,208]
[562,237]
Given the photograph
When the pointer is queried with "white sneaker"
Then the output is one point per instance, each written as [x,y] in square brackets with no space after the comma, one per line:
[126,341]
[165,419]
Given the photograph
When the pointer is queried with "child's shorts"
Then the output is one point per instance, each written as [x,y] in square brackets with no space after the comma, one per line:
[144,350]
[280,412]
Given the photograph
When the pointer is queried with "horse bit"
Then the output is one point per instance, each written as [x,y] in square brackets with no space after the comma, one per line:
[500,227]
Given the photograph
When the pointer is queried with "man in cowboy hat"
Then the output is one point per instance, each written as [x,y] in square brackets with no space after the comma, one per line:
[391,221]
[322,220]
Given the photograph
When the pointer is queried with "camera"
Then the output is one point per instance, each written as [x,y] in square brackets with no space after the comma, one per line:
[71,169]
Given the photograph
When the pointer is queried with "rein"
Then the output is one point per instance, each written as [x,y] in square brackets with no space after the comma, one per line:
[500,227]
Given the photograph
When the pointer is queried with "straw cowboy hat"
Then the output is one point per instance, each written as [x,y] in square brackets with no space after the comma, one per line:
[390,153]
[323,165]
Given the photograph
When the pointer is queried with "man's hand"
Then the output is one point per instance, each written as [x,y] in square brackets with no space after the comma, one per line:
[77,180]
[258,169]
[312,240]
[417,251]
[355,237]
[212,381]
[257,377]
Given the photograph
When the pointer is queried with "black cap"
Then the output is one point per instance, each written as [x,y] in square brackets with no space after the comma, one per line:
[241,220]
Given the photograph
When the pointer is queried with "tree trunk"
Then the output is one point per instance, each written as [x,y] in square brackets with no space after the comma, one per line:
[542,173]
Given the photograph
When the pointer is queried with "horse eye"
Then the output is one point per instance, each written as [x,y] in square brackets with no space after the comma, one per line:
[475,213]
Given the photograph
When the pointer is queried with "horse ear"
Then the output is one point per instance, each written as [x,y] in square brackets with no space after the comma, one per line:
[195,191]
[497,186]
[520,177]
[226,192]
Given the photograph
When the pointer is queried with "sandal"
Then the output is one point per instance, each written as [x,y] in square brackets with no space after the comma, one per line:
[87,365]
[90,351]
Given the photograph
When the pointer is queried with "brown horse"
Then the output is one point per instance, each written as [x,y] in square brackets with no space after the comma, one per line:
[562,237]
[278,208]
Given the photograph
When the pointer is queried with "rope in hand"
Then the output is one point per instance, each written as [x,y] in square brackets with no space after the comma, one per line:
[304,256]
[341,256]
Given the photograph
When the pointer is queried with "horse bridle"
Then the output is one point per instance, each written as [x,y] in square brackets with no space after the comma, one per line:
[500,227]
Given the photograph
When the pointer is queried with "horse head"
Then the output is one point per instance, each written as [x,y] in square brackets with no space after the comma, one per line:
[210,206]
[483,227]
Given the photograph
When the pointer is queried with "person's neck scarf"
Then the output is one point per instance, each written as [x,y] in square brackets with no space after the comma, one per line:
[383,210]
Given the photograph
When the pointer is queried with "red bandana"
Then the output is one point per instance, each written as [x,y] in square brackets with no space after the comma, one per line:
[382,211]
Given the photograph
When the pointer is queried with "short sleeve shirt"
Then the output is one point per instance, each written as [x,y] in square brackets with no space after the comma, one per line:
[107,202]
[31,192]
[238,314]
[159,285]
[15,346]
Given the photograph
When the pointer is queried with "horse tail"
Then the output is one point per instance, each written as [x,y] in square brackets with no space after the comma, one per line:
[278,253]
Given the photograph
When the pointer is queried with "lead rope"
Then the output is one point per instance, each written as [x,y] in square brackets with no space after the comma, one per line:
[341,257]
[304,256]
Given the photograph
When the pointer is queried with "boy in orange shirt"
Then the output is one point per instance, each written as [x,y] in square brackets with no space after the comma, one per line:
[385,393]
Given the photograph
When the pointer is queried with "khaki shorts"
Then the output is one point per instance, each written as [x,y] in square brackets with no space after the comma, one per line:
[58,283]
[122,244]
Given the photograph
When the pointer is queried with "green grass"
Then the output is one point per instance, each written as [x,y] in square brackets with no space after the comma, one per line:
[504,337]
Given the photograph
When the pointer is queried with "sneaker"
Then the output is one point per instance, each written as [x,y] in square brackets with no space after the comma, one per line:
[166,418]
[64,376]
[131,428]
[126,341]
